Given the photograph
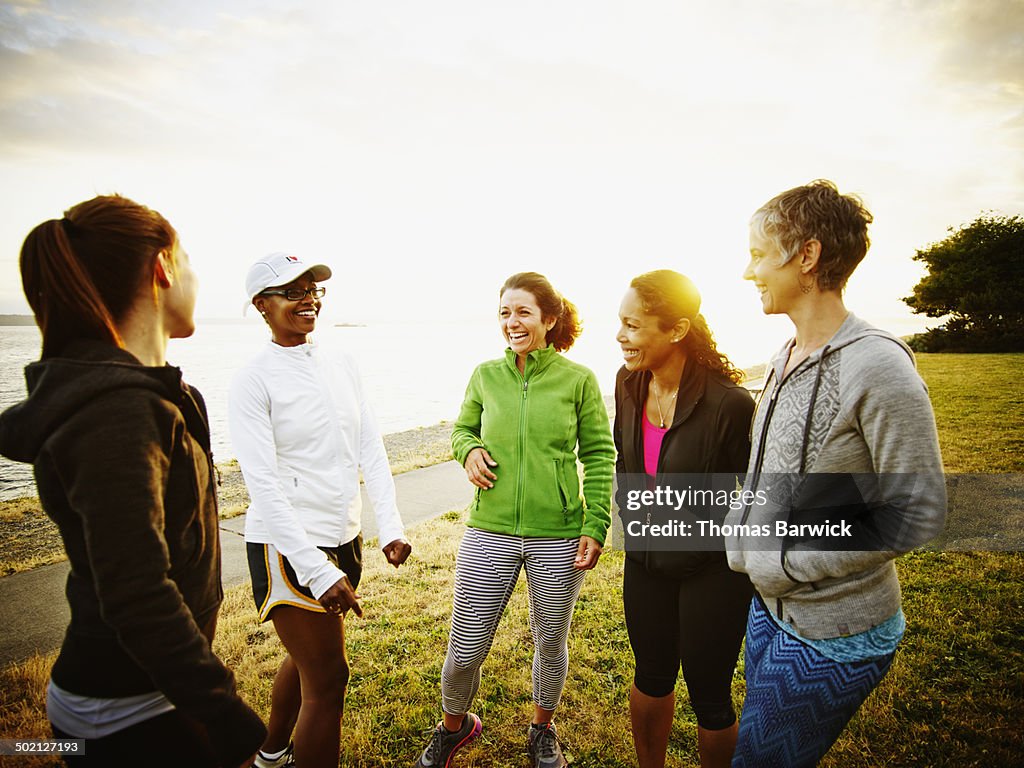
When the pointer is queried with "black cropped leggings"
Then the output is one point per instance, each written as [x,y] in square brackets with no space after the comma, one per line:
[697,622]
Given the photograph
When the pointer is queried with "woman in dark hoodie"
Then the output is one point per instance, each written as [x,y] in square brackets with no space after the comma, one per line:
[121,451]
[679,410]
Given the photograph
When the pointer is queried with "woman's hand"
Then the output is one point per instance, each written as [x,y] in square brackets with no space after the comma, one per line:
[340,597]
[587,554]
[478,464]
[397,552]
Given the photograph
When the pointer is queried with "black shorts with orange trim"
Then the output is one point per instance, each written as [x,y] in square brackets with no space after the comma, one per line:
[274,581]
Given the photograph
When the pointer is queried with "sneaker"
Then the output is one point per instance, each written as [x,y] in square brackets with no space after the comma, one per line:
[544,748]
[287,760]
[443,744]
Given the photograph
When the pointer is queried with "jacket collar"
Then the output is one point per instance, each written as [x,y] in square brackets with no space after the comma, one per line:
[536,361]
[692,385]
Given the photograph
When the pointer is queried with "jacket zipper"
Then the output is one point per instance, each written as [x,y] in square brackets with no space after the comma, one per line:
[763,439]
[521,458]
[189,401]
[639,449]
[772,399]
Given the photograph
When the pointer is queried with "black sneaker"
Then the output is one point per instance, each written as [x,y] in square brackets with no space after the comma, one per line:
[443,744]
[544,748]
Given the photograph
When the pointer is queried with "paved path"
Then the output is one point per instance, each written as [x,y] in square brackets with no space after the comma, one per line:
[34,613]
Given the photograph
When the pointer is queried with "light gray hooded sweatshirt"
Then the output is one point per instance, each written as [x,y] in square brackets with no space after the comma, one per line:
[855,414]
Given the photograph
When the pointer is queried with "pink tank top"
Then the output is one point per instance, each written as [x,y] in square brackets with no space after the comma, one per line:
[653,437]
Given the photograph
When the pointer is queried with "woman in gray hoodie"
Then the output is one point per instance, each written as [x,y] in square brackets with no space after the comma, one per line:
[844,475]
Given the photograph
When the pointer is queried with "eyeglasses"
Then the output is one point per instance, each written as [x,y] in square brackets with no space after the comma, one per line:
[297,294]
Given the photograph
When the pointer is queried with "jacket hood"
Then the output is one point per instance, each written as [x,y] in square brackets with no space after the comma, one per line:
[853,329]
[59,386]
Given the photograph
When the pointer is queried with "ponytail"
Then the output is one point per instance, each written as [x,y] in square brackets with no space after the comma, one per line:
[61,293]
[567,327]
[81,274]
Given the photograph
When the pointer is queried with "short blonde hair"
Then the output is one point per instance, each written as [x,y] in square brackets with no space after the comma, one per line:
[817,211]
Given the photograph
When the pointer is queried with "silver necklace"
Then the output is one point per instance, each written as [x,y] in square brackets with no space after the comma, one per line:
[657,400]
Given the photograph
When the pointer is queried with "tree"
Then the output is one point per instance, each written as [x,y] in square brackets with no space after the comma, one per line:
[976,280]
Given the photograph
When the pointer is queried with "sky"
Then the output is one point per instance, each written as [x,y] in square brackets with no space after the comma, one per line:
[426,151]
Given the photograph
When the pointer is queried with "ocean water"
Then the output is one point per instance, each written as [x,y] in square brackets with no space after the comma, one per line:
[414,375]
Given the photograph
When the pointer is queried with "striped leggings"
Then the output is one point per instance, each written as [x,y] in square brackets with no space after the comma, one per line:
[486,572]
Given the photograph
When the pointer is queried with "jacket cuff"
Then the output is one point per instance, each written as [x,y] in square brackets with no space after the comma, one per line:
[461,453]
[389,533]
[325,579]
[236,735]
[595,532]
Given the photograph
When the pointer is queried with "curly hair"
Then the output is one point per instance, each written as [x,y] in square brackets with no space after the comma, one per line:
[670,296]
[817,211]
[552,304]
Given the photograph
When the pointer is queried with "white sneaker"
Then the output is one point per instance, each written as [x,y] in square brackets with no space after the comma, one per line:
[287,760]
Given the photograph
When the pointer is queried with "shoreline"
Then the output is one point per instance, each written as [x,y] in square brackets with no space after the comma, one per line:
[407,450]
[29,539]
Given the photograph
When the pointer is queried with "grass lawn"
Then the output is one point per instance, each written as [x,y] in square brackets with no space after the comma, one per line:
[979,409]
[952,698]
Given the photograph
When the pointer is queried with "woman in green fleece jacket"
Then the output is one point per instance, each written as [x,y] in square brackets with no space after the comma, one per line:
[526,419]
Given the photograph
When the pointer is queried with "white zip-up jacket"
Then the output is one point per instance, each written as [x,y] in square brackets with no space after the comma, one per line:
[302,430]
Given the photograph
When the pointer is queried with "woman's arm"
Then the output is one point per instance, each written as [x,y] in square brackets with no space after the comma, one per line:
[733,443]
[620,462]
[380,484]
[467,446]
[466,430]
[596,452]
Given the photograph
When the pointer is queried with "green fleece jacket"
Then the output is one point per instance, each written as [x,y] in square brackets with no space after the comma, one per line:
[531,424]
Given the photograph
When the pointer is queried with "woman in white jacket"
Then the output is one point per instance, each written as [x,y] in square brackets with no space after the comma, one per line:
[302,430]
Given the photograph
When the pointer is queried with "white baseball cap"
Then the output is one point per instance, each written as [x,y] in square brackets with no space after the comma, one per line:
[280,269]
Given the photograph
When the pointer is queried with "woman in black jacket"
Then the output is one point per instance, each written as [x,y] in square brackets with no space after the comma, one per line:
[121,451]
[679,410]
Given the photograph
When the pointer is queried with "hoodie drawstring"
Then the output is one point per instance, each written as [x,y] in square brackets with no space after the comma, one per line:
[810,410]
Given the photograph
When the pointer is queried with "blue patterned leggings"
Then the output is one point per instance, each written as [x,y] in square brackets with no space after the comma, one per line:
[798,701]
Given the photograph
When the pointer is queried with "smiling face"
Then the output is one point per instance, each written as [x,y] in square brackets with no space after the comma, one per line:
[290,321]
[522,323]
[645,345]
[779,285]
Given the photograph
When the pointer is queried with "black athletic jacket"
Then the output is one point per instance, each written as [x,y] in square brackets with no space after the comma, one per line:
[122,463]
[710,433]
